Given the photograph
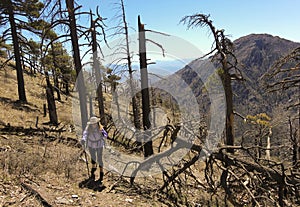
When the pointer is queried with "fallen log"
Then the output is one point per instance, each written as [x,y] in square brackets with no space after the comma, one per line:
[279,175]
[36,194]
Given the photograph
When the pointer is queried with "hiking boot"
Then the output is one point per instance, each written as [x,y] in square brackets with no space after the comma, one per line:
[101,176]
[92,177]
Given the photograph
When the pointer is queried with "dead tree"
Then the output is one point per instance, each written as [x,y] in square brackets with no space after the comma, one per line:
[51,101]
[136,118]
[284,76]
[58,17]
[223,54]
[77,62]
[148,148]
[96,62]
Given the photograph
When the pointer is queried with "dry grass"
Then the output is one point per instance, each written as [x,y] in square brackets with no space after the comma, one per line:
[53,166]
[25,115]
[46,162]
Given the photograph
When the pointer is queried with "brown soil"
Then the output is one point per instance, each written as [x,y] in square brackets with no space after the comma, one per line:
[44,168]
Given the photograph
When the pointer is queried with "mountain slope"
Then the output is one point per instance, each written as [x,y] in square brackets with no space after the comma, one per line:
[256,53]
[43,165]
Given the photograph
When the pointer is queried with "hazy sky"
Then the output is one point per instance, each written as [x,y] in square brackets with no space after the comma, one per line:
[238,17]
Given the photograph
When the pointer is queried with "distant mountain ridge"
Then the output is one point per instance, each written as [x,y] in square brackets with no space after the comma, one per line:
[256,54]
[261,51]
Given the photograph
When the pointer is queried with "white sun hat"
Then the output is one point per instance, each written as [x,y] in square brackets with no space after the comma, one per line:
[93,120]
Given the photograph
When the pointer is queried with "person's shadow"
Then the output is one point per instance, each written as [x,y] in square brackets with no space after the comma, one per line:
[92,184]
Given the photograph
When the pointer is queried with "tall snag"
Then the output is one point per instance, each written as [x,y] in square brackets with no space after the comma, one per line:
[223,54]
[96,67]
[135,110]
[77,62]
[148,148]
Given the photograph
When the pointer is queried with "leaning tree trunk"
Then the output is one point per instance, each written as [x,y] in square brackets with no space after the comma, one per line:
[20,77]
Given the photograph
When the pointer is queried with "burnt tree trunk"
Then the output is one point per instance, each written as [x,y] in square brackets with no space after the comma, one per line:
[148,148]
[51,102]
[96,67]
[91,106]
[77,63]
[229,104]
[135,109]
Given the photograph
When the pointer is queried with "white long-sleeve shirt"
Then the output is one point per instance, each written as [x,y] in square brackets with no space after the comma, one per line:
[95,138]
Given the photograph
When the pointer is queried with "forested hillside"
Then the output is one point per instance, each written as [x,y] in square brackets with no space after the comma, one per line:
[256,54]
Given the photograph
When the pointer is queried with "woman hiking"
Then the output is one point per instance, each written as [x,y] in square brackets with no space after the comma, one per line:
[94,138]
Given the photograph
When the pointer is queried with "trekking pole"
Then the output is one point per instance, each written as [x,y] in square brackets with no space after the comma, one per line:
[86,161]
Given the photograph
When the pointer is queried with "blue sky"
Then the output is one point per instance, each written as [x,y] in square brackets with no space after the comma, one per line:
[238,17]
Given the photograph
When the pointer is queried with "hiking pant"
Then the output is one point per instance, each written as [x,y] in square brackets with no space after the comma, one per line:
[96,156]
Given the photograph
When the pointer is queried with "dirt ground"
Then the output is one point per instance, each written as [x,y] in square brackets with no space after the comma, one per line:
[42,168]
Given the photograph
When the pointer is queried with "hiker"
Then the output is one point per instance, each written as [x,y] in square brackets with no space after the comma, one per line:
[94,137]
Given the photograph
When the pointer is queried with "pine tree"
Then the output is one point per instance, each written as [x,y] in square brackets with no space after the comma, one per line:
[59,62]
[4,48]
[18,14]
